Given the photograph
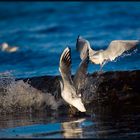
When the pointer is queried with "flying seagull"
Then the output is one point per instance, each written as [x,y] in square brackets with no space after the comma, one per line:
[115,49]
[69,87]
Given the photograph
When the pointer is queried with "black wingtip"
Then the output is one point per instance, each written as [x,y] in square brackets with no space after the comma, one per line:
[78,37]
[77,42]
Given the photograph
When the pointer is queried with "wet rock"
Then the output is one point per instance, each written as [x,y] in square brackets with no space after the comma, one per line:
[108,88]
[113,89]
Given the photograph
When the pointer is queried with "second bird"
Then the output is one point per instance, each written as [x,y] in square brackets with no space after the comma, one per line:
[115,49]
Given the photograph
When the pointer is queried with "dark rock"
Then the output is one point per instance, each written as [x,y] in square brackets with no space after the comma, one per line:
[109,88]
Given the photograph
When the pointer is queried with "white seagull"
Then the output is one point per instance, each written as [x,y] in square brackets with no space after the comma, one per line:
[5,47]
[69,87]
[115,49]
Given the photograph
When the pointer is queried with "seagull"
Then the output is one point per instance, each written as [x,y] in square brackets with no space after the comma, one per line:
[69,87]
[5,47]
[101,57]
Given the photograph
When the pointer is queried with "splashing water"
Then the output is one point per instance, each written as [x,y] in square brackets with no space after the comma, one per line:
[20,95]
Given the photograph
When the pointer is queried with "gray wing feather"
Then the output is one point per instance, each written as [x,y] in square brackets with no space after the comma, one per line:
[117,47]
[82,45]
[65,65]
[81,73]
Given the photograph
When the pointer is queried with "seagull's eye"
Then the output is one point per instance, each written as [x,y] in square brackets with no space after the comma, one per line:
[79,95]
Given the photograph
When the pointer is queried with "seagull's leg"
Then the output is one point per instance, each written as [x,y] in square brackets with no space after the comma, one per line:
[101,68]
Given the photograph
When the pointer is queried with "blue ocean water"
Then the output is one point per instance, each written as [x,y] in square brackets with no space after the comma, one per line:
[42,30]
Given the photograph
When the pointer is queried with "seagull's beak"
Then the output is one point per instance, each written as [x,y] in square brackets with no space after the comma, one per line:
[79,105]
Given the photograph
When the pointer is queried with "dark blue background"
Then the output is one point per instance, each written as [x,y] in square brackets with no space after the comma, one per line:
[43,29]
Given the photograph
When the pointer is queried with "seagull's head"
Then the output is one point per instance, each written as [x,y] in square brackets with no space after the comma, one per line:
[4,46]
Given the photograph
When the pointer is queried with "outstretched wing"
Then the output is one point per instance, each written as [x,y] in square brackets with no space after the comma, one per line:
[81,72]
[65,65]
[82,45]
[117,47]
